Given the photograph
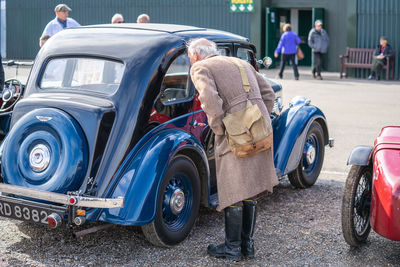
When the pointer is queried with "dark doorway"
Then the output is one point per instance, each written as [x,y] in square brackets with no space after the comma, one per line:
[302,20]
[305,25]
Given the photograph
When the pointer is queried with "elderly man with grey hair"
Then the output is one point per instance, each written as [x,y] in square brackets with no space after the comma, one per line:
[117,18]
[318,40]
[219,83]
[143,18]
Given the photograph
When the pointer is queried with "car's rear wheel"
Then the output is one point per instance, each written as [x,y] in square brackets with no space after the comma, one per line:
[177,206]
[309,168]
[356,204]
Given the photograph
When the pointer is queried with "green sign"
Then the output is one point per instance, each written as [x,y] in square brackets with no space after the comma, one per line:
[241,5]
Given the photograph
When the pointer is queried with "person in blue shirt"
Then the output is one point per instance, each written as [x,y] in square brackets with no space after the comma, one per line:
[287,46]
[60,22]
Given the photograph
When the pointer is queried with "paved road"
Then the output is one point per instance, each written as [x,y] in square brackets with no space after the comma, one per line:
[295,227]
[356,110]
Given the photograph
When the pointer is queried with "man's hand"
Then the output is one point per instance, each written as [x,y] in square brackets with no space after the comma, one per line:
[380,57]
[276,55]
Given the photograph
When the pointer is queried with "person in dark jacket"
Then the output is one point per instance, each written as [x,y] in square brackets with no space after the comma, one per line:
[288,47]
[318,40]
[383,51]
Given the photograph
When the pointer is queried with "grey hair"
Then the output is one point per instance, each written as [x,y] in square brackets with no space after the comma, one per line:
[318,22]
[202,47]
[143,18]
[116,16]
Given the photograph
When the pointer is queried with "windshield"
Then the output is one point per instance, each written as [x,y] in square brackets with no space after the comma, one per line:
[99,75]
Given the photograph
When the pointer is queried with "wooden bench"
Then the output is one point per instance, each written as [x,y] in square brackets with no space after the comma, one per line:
[361,58]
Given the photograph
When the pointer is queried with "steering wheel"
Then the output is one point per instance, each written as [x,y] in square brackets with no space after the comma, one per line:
[12,92]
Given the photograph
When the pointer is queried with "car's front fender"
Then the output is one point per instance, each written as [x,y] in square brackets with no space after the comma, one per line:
[140,181]
[361,155]
[290,130]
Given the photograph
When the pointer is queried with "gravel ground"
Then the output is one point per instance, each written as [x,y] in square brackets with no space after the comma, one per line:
[295,228]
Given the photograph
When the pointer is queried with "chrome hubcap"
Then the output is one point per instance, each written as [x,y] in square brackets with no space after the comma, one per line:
[177,201]
[310,154]
[39,158]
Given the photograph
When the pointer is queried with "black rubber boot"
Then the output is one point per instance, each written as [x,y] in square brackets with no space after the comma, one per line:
[249,223]
[233,226]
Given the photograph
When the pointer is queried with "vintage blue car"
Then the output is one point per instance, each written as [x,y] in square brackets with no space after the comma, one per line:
[110,129]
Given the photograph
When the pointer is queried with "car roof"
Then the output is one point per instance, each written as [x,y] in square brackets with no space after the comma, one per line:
[169,28]
[184,31]
[123,41]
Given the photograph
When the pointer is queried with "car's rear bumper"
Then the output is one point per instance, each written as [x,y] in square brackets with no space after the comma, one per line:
[65,199]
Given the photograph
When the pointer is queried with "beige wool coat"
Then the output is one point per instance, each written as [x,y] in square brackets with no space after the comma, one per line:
[218,81]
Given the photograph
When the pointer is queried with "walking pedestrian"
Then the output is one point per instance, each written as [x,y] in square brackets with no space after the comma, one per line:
[287,46]
[219,82]
[143,18]
[383,51]
[318,40]
[60,22]
[117,18]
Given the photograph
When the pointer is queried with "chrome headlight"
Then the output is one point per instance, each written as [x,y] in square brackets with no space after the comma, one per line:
[299,100]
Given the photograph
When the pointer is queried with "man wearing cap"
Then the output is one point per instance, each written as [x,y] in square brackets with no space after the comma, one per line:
[60,22]
[318,40]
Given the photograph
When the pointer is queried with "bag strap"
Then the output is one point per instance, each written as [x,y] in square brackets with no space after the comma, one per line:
[245,80]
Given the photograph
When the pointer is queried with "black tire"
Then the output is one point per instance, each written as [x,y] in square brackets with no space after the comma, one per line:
[306,174]
[356,205]
[169,229]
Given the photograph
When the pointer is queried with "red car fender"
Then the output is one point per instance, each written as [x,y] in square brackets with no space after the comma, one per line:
[385,199]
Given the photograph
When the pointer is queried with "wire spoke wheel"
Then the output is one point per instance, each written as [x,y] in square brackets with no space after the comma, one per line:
[362,204]
[356,205]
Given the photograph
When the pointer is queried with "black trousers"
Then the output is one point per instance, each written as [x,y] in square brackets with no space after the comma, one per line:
[318,63]
[285,58]
[377,66]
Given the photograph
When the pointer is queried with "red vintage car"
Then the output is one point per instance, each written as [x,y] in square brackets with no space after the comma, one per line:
[371,196]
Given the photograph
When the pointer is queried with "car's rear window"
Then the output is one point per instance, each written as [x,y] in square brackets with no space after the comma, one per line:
[93,74]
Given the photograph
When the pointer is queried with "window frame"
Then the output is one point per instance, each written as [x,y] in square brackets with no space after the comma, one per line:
[81,90]
[251,53]
[189,84]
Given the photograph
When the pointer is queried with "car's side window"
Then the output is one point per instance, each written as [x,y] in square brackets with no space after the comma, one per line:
[175,85]
[223,51]
[176,92]
[246,54]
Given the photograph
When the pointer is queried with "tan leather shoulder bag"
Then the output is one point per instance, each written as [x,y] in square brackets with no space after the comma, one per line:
[247,130]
